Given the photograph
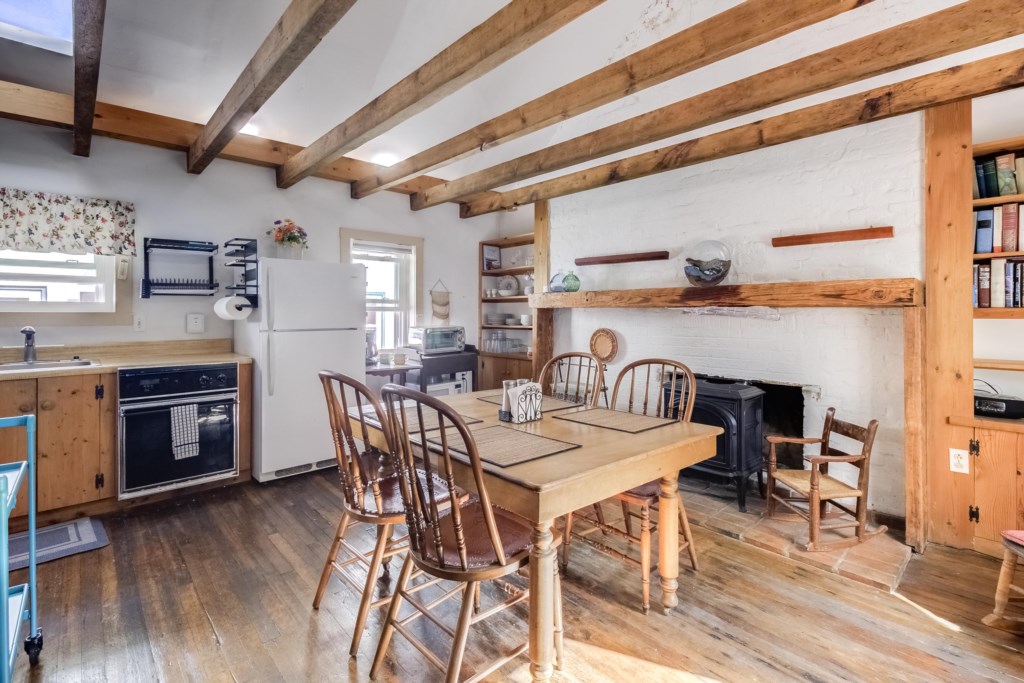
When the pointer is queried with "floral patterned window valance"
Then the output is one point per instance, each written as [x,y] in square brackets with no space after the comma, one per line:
[42,221]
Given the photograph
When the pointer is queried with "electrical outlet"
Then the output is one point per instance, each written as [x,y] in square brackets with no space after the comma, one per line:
[139,325]
[959,461]
[195,323]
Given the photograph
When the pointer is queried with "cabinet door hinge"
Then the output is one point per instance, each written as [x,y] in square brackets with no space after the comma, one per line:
[975,447]
[99,481]
[99,391]
[973,514]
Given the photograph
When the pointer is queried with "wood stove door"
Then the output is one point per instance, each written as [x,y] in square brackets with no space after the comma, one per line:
[727,455]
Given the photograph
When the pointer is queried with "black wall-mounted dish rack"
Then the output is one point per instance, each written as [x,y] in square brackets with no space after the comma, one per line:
[178,286]
[241,253]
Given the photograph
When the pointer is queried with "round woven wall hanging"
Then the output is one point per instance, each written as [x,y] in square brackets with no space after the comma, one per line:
[604,344]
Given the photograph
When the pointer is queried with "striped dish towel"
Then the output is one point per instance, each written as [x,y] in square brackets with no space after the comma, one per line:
[185,431]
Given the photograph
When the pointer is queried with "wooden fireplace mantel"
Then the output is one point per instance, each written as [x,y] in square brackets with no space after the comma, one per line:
[883,292]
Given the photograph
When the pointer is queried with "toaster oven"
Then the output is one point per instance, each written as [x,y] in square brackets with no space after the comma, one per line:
[434,340]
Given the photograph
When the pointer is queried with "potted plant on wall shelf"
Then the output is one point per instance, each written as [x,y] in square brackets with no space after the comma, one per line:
[290,239]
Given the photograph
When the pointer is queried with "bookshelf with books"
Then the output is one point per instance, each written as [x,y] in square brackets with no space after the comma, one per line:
[998,269]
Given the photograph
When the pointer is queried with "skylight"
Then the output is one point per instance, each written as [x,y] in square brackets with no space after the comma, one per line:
[44,24]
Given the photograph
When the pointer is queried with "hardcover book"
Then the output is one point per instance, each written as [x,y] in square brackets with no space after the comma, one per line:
[979,178]
[1018,275]
[997,229]
[998,283]
[1004,174]
[991,181]
[1008,284]
[985,286]
[1010,227]
[975,288]
[983,232]
[1019,163]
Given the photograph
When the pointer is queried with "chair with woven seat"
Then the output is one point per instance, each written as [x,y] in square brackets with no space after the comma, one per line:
[662,378]
[574,376]
[370,488]
[468,544]
[817,489]
[1013,551]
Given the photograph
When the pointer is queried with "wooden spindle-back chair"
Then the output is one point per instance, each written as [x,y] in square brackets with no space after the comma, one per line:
[370,489]
[469,544]
[645,387]
[574,376]
[816,489]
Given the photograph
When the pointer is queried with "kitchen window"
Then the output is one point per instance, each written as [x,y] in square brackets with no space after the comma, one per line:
[393,282]
[48,282]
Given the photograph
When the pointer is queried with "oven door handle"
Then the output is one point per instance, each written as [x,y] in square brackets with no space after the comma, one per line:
[231,398]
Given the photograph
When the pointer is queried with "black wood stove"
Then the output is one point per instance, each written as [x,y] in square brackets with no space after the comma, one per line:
[737,408]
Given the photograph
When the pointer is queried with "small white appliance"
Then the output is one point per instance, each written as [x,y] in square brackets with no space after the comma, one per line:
[435,340]
[311,317]
[449,388]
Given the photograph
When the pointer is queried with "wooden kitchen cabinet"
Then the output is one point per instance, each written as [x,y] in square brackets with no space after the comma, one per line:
[77,428]
[495,369]
[998,487]
[17,398]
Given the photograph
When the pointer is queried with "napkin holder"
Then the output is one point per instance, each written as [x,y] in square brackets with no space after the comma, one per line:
[525,403]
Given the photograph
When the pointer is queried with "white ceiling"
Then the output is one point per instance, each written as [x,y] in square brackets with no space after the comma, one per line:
[179,59]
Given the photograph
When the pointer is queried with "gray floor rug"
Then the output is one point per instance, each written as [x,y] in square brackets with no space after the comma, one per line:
[58,540]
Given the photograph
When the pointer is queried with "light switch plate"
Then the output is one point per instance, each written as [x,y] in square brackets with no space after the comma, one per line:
[959,461]
[139,323]
[195,323]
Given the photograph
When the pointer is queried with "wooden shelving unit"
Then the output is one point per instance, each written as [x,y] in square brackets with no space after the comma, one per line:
[998,254]
[988,150]
[998,201]
[995,423]
[999,313]
[494,367]
[995,364]
[885,292]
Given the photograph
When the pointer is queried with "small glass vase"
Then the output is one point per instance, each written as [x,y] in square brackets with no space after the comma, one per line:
[571,283]
[290,250]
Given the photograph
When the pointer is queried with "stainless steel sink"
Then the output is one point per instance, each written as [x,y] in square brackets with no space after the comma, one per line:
[21,366]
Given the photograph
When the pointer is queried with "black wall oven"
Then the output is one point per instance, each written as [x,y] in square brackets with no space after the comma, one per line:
[178,426]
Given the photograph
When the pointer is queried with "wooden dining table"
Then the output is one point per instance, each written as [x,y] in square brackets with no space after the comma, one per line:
[607,462]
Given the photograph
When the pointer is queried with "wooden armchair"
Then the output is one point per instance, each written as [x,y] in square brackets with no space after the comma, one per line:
[818,489]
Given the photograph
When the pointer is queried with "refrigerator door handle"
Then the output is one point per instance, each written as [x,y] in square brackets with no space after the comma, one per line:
[270,364]
[270,299]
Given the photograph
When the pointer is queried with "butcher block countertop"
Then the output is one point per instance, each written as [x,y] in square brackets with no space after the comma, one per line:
[111,357]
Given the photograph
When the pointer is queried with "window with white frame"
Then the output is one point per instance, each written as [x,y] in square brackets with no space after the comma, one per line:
[48,282]
[390,288]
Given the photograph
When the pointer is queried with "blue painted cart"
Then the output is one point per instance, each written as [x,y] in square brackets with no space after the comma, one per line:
[21,599]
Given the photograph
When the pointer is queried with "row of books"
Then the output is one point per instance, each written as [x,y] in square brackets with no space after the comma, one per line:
[998,284]
[998,229]
[999,176]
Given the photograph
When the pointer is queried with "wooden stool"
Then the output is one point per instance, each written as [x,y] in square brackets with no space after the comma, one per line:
[1013,544]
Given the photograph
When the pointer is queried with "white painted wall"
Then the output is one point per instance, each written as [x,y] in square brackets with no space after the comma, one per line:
[997,117]
[871,175]
[228,200]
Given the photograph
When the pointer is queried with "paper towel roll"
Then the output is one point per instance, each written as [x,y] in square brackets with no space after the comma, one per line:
[232,308]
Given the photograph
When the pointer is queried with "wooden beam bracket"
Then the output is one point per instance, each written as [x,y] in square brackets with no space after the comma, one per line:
[833,236]
[623,258]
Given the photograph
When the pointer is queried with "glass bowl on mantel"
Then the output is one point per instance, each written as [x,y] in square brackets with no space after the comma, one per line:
[708,263]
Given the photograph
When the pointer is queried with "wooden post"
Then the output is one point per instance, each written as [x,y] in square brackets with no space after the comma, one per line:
[914,428]
[949,324]
[543,340]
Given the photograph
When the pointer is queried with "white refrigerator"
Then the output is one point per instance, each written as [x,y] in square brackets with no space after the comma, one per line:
[311,317]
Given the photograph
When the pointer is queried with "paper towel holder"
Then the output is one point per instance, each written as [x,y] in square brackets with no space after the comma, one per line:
[241,253]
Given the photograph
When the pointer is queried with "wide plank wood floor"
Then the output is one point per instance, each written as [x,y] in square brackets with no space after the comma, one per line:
[219,588]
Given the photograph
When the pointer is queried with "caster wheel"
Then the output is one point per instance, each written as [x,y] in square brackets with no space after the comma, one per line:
[33,646]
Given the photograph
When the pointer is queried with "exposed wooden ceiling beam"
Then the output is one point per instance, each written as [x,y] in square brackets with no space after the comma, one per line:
[975,79]
[961,27]
[300,29]
[512,29]
[47,108]
[88,37]
[737,29]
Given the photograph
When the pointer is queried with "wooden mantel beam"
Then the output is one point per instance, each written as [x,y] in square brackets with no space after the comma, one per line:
[958,28]
[725,34]
[300,29]
[88,37]
[984,77]
[509,31]
[884,292]
[47,108]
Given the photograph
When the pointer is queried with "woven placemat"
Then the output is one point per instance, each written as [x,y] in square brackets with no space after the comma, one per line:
[547,404]
[412,421]
[618,420]
[504,446]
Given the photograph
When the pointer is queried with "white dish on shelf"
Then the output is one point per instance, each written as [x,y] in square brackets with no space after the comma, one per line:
[506,292]
[508,285]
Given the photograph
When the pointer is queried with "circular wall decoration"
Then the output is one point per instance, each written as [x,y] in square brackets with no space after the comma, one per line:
[604,344]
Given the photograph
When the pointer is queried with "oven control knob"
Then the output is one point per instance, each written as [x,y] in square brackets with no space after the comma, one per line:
[222,379]
[204,381]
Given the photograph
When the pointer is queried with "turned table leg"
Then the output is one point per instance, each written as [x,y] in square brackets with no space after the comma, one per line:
[542,605]
[668,540]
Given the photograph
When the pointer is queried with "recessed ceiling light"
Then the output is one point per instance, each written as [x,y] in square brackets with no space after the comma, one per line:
[385,159]
[249,129]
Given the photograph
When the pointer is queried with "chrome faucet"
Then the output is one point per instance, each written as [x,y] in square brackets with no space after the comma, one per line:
[30,343]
